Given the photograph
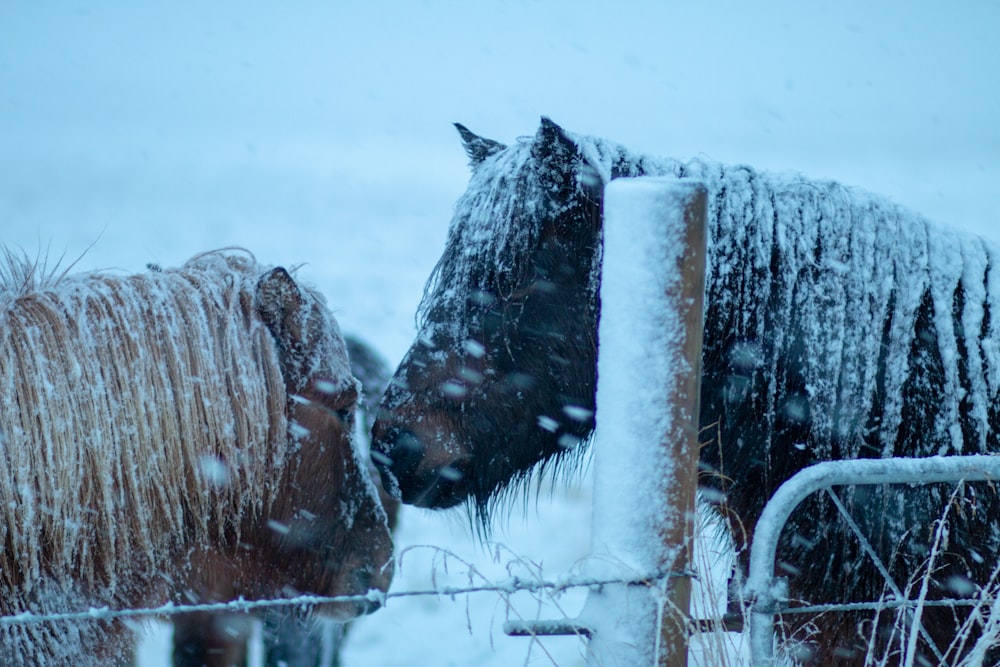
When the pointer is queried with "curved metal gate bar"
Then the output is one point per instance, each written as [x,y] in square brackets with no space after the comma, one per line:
[763,589]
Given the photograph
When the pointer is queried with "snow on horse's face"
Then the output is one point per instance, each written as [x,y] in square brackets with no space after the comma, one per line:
[502,374]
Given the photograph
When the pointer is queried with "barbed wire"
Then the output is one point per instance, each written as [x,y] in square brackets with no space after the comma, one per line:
[511,585]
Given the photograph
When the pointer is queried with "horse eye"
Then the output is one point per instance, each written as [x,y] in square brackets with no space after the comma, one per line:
[342,406]
[336,398]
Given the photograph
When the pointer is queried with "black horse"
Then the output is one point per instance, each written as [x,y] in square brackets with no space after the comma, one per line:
[837,326]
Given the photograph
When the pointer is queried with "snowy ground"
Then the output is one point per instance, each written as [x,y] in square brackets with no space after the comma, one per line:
[319,134]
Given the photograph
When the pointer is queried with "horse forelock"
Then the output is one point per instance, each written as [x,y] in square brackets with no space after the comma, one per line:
[498,220]
[147,405]
[489,232]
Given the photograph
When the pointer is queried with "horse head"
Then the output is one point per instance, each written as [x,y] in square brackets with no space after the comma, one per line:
[502,374]
[328,520]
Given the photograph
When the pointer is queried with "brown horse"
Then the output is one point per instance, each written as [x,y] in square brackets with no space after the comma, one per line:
[179,435]
[837,326]
[291,637]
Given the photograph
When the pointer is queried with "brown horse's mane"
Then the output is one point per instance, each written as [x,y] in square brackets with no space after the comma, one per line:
[108,384]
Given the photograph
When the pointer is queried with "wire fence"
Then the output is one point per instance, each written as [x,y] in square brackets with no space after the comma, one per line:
[529,581]
[509,586]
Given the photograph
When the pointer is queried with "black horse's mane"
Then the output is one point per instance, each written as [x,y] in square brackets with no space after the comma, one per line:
[497,221]
[791,260]
[837,326]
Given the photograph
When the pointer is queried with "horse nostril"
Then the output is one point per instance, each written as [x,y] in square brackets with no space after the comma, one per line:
[364,580]
[407,452]
[400,460]
[396,453]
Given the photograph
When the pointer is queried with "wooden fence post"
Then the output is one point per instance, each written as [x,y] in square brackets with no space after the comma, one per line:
[646,448]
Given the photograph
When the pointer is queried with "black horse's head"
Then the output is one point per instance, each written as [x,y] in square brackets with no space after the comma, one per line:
[502,375]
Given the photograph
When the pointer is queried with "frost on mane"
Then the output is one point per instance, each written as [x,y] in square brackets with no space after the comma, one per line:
[859,301]
[837,326]
[810,270]
[146,436]
[108,386]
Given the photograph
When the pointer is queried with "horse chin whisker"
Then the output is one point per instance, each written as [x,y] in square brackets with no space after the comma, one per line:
[487,503]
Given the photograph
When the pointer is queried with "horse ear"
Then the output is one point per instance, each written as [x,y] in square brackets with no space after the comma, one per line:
[281,305]
[279,301]
[552,143]
[561,162]
[478,148]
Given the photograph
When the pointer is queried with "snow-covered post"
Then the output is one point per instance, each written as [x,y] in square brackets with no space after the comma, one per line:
[646,448]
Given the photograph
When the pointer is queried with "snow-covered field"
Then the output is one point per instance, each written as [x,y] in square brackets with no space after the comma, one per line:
[318,134]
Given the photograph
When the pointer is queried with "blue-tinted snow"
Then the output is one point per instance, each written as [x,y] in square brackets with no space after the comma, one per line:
[321,134]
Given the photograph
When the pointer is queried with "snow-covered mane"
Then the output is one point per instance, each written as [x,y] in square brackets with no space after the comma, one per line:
[145,419]
[841,285]
[823,255]
[838,325]
[141,355]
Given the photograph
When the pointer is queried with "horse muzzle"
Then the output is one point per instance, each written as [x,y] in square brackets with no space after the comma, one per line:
[410,474]
[366,585]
